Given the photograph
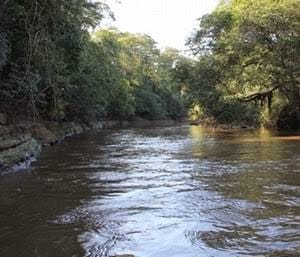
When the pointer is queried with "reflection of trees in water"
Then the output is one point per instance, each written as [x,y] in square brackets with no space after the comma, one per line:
[241,195]
[257,175]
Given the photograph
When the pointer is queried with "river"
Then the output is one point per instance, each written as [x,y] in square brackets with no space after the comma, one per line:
[156,192]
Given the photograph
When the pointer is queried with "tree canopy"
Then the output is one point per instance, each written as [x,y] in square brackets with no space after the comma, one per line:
[53,67]
[252,53]
[57,63]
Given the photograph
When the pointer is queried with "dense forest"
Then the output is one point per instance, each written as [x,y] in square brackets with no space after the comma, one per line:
[53,67]
[57,63]
[248,68]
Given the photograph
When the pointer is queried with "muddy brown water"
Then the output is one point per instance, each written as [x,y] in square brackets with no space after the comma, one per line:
[156,192]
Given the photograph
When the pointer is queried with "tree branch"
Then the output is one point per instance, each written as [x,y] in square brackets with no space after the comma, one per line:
[259,95]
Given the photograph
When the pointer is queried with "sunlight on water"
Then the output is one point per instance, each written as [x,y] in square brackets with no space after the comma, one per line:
[176,192]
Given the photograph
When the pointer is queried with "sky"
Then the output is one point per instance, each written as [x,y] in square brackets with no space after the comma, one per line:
[168,22]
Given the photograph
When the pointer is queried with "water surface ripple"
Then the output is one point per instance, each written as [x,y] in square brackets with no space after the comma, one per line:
[171,192]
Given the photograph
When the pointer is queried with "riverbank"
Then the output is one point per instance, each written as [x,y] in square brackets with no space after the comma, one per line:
[22,142]
[212,125]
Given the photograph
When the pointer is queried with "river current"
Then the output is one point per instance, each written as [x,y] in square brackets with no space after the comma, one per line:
[156,192]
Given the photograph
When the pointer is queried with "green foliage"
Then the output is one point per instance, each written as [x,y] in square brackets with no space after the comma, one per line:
[149,104]
[42,42]
[254,53]
[150,89]
[203,92]
[52,67]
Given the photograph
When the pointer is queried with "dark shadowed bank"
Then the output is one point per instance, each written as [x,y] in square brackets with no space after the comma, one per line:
[21,143]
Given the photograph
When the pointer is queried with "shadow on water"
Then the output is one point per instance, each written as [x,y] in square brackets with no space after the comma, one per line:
[176,192]
[31,201]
